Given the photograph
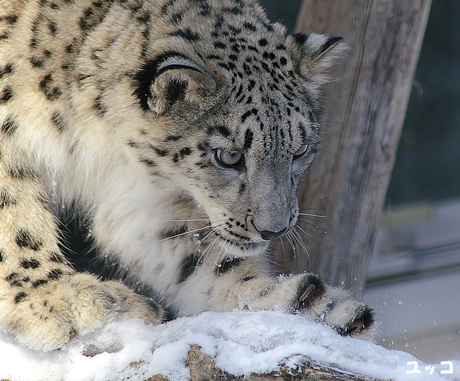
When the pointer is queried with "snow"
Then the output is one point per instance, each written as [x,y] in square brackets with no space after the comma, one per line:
[239,342]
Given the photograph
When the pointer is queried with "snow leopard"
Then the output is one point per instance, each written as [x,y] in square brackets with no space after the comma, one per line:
[179,129]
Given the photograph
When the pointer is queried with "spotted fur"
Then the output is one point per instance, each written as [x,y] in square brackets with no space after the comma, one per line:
[180,128]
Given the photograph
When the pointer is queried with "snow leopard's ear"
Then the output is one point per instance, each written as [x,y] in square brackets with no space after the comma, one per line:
[172,78]
[316,54]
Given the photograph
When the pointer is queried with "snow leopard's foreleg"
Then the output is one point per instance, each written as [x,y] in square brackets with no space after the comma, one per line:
[43,301]
[246,284]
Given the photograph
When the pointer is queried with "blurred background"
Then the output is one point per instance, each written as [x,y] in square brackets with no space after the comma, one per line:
[414,277]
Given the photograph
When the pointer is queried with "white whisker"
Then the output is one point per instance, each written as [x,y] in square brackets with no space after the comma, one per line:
[299,239]
[182,234]
[191,220]
[311,215]
[310,233]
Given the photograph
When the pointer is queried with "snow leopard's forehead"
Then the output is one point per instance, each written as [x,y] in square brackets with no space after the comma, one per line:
[266,100]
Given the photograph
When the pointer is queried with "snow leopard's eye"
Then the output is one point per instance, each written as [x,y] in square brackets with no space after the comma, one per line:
[301,152]
[229,159]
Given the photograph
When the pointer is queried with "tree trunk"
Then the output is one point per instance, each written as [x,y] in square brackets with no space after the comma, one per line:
[365,108]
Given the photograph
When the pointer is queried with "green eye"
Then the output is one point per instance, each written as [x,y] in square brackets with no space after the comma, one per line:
[301,151]
[229,159]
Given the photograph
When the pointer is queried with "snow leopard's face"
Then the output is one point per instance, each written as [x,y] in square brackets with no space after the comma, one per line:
[232,122]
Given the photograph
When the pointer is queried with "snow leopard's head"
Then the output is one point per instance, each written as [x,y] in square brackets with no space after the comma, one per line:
[232,121]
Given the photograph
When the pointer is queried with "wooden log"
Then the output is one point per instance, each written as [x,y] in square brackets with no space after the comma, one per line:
[365,108]
[203,368]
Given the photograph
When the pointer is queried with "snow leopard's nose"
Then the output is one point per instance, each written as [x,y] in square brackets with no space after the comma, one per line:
[267,235]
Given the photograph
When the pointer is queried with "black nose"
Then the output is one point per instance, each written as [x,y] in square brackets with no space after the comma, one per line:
[268,235]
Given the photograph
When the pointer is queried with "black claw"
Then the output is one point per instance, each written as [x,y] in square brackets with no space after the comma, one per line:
[307,293]
[310,289]
[362,321]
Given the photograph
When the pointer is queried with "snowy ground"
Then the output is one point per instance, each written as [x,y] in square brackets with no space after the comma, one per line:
[259,341]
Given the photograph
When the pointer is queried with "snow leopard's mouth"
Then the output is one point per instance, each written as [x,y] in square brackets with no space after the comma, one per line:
[240,247]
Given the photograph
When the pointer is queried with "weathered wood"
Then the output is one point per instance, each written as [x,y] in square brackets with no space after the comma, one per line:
[365,108]
[203,368]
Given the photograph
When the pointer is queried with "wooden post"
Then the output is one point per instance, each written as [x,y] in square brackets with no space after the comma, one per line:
[365,108]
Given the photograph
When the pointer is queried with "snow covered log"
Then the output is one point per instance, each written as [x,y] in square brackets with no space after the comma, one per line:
[202,367]
[264,345]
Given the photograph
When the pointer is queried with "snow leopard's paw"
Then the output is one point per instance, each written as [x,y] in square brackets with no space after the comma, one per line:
[333,306]
[49,317]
